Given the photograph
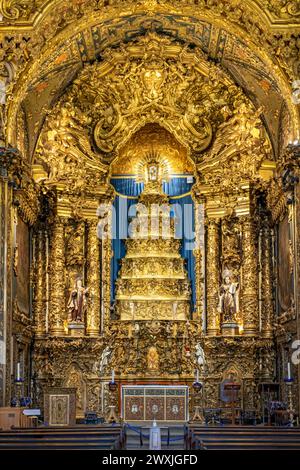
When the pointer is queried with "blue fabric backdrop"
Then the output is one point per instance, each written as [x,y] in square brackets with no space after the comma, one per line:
[127,193]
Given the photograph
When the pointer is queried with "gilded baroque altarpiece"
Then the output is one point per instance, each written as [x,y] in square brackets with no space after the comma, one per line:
[83,100]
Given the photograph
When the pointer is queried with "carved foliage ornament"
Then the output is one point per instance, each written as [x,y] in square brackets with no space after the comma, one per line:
[284,8]
[157,81]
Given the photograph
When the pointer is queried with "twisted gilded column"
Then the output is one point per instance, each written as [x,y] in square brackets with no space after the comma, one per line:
[57,279]
[266,288]
[40,283]
[213,276]
[93,280]
[249,277]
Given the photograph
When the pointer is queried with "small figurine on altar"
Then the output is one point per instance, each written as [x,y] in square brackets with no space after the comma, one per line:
[77,303]
[200,355]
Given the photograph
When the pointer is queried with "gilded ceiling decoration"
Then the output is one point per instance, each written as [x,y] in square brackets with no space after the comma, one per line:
[155,80]
[254,41]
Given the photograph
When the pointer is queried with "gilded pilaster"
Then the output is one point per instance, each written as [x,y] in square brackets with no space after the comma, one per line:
[249,277]
[57,279]
[40,283]
[3,285]
[266,288]
[93,280]
[212,276]
[11,168]
[199,261]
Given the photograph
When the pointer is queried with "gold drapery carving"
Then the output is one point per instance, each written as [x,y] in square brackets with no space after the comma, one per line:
[57,262]
[93,280]
[213,264]
[249,277]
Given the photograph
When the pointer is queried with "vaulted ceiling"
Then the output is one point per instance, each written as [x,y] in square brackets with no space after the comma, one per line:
[49,42]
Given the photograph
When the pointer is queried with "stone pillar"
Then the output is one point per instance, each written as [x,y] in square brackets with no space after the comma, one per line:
[266,288]
[213,276]
[40,283]
[57,280]
[93,280]
[249,277]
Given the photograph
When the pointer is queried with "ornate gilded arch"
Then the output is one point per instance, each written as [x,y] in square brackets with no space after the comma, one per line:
[154,80]
[241,37]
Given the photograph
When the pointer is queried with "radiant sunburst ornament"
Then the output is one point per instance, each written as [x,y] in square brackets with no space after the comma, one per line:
[153,170]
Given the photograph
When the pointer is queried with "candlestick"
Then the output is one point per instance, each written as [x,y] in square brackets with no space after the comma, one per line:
[113,376]
[289,370]
[197,375]
[18,371]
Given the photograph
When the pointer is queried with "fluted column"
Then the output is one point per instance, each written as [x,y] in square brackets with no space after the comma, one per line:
[40,283]
[93,280]
[57,280]
[249,277]
[266,288]
[213,276]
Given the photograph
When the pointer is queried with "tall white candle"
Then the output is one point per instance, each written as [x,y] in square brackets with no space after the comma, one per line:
[289,370]
[18,371]
[113,376]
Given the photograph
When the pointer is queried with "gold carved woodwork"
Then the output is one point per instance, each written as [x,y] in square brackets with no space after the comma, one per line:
[74,251]
[212,282]
[134,98]
[249,281]
[267,319]
[93,280]
[57,278]
[231,244]
[40,282]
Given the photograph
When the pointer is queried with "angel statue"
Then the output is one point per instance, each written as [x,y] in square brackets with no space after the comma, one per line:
[200,355]
[104,359]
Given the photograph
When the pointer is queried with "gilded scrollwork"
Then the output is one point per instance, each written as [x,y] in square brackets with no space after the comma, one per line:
[57,285]
[89,127]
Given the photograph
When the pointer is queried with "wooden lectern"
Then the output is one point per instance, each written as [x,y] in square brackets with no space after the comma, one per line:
[14,417]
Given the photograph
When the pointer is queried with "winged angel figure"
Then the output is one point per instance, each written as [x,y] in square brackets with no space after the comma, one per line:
[238,132]
[67,136]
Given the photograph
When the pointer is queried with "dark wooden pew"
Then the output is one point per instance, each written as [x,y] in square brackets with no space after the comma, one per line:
[241,437]
[77,437]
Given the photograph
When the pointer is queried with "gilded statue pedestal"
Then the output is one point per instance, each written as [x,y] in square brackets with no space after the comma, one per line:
[76,329]
[230,329]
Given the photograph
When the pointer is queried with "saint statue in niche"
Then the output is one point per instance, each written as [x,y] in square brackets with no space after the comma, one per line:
[229,297]
[77,303]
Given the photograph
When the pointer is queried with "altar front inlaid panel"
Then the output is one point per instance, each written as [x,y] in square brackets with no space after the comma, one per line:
[162,403]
